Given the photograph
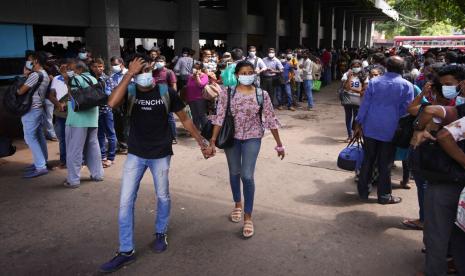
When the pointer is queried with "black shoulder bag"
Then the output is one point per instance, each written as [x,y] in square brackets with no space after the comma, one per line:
[19,105]
[91,96]
[226,136]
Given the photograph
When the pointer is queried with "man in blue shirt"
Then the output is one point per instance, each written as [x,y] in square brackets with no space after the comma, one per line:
[385,101]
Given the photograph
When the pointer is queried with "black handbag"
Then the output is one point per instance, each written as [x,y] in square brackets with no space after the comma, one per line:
[90,96]
[404,132]
[226,136]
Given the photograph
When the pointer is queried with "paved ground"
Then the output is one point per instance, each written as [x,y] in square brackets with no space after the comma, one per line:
[307,216]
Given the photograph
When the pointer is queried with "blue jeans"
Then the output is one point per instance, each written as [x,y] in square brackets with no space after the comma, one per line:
[172,123]
[242,158]
[48,119]
[60,127]
[33,122]
[106,130]
[351,113]
[285,91]
[134,169]
[308,86]
[299,90]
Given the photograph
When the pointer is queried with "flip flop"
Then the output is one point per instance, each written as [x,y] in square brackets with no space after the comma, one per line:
[410,223]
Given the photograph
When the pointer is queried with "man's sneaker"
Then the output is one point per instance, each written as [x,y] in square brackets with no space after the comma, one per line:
[161,242]
[117,262]
[29,168]
[35,173]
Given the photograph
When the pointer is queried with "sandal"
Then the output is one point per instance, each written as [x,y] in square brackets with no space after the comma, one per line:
[107,163]
[405,185]
[236,215]
[248,229]
[413,224]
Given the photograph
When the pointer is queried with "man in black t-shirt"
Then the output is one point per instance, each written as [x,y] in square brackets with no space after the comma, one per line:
[149,146]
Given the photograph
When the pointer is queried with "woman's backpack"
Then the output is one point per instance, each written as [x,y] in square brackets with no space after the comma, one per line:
[19,105]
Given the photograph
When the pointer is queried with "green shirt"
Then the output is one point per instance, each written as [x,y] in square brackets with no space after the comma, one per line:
[86,118]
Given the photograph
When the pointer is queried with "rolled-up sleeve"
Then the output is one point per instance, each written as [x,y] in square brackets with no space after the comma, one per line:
[270,121]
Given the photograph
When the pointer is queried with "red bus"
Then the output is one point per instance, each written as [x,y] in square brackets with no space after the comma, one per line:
[426,42]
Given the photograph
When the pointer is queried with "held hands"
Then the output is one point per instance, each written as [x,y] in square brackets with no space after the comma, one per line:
[208,150]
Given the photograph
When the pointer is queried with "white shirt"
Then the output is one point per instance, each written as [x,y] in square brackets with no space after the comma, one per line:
[307,71]
[60,87]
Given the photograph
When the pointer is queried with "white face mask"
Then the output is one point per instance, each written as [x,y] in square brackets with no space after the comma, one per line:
[356,70]
[271,55]
[246,79]
[144,79]
[70,74]
[29,65]
[184,55]
[116,69]
[252,54]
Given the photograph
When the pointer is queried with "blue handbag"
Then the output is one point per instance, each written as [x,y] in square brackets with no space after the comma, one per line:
[351,158]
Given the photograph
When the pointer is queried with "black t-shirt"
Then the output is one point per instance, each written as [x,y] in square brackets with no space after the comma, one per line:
[150,135]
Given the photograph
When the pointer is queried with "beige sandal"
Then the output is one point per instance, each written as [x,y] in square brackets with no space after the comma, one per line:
[248,229]
[236,215]
[107,163]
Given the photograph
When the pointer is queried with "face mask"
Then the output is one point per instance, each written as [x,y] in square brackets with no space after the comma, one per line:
[194,71]
[449,92]
[252,54]
[356,70]
[283,61]
[116,68]
[29,65]
[82,56]
[159,65]
[70,74]
[459,100]
[246,79]
[289,56]
[144,79]
[184,55]
[271,55]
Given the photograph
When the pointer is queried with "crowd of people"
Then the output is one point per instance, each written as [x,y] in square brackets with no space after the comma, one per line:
[378,88]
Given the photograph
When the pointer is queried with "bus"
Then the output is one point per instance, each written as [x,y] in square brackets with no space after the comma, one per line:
[427,42]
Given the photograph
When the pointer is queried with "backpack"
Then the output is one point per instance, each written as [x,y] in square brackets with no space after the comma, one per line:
[351,158]
[164,94]
[20,104]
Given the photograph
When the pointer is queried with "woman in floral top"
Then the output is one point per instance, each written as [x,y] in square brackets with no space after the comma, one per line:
[249,130]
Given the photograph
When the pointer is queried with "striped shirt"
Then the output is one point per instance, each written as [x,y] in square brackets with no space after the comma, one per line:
[39,95]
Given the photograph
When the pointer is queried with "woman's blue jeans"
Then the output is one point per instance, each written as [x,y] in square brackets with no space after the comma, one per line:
[242,158]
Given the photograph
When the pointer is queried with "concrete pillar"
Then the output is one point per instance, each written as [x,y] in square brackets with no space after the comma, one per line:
[349,24]
[187,34]
[369,32]
[314,26]
[296,7]
[102,37]
[363,32]
[327,24]
[237,12]
[271,11]
[339,22]
[356,40]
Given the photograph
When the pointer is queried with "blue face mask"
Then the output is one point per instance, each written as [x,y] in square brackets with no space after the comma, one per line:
[82,56]
[144,79]
[459,100]
[449,91]
[246,79]
[29,65]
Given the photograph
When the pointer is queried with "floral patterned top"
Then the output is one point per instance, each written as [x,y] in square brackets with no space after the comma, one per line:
[245,110]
